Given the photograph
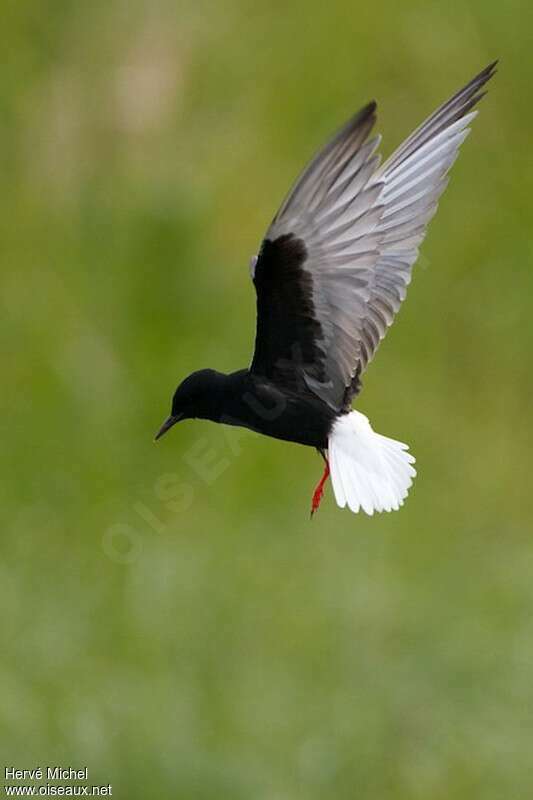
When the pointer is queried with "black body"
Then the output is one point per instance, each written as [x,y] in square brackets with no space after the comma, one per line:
[251,401]
[275,396]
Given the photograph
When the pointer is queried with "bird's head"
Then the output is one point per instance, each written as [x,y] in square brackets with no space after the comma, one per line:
[194,397]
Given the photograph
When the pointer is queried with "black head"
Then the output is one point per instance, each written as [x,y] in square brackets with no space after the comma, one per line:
[196,396]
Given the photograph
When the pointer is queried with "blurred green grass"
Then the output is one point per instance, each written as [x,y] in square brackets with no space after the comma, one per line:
[220,645]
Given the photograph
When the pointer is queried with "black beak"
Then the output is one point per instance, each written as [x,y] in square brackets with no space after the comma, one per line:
[167,425]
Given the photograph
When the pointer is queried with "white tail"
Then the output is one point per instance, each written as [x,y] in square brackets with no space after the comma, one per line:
[368,471]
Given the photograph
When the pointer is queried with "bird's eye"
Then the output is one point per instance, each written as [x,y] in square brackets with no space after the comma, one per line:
[253,262]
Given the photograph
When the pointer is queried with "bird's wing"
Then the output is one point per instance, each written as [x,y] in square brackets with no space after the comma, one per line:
[335,263]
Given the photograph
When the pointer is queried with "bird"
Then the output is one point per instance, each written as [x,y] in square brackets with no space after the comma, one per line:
[330,276]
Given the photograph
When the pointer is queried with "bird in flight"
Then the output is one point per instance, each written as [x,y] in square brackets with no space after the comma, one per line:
[331,273]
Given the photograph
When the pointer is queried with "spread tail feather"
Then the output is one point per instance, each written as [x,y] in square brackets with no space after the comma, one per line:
[368,471]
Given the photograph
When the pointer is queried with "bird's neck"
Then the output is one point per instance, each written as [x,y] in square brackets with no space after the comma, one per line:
[224,396]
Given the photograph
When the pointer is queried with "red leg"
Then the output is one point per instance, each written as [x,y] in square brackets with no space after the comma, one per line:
[319,491]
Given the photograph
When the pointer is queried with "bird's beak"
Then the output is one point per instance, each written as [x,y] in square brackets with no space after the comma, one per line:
[167,425]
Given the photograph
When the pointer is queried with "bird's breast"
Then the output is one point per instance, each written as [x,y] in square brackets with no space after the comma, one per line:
[266,409]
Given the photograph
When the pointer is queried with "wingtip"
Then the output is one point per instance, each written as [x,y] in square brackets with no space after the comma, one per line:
[486,74]
[371,110]
[366,113]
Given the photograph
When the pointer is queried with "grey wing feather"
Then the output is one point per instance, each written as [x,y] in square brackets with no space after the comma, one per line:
[414,178]
[362,226]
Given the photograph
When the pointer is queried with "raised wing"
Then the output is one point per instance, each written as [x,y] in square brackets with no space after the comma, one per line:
[334,266]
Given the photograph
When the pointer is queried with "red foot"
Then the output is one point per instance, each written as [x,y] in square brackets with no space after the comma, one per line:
[319,491]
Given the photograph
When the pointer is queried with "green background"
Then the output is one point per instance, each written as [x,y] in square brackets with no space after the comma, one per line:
[170,617]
